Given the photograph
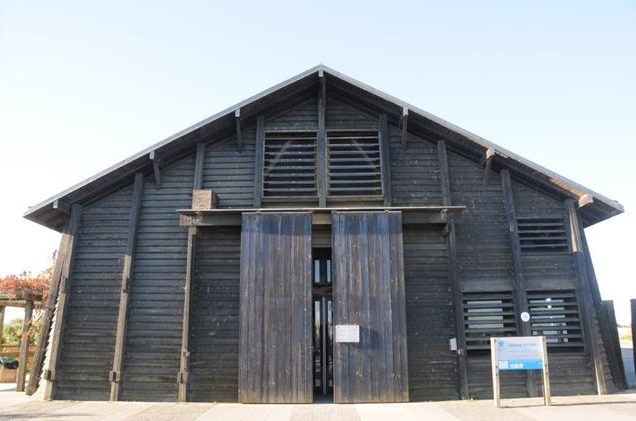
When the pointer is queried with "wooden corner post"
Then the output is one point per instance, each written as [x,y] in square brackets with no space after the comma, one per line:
[126,279]
[63,254]
[590,332]
[451,243]
[62,304]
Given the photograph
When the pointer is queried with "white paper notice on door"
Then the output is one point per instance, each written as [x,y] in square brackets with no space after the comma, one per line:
[348,333]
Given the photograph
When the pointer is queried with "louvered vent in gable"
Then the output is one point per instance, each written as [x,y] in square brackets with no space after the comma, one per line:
[354,164]
[555,315]
[544,234]
[487,314]
[289,167]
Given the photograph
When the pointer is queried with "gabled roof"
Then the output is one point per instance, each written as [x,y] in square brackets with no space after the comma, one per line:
[595,207]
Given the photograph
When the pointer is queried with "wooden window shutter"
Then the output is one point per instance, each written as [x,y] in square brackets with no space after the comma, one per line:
[487,314]
[555,315]
[544,234]
[354,163]
[289,165]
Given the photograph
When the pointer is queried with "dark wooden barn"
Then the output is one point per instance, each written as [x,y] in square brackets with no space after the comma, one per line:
[321,240]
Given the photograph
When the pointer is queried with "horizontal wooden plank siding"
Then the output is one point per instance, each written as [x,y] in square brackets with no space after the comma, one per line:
[303,116]
[153,334]
[368,267]
[430,324]
[341,114]
[229,171]
[275,307]
[415,176]
[484,256]
[88,340]
[214,317]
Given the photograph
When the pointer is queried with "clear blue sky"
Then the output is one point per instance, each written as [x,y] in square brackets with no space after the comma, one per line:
[84,84]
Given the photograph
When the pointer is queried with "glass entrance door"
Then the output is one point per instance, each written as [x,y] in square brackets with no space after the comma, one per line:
[322,327]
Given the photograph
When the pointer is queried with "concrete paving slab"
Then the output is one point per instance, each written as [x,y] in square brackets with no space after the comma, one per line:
[618,407]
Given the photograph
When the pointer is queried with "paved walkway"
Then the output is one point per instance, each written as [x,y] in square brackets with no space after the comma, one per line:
[17,406]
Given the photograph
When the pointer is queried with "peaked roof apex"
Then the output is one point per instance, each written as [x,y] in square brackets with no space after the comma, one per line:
[585,195]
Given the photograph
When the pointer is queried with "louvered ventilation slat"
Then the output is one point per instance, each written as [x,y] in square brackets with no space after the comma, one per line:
[354,163]
[289,168]
[486,315]
[546,234]
[555,315]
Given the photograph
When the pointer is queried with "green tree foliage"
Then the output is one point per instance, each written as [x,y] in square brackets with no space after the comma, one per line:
[13,332]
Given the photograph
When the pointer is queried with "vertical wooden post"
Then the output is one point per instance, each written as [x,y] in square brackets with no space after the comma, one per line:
[592,340]
[258,161]
[62,304]
[385,160]
[182,376]
[321,162]
[547,397]
[451,243]
[1,324]
[521,299]
[494,361]
[199,163]
[64,253]
[126,280]
[24,345]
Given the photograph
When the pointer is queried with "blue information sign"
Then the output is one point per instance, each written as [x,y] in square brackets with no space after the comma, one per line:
[520,353]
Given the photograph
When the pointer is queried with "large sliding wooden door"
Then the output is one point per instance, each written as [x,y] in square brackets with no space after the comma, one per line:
[369,292]
[275,308]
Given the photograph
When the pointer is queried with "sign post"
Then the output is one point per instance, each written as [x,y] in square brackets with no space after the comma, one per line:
[519,353]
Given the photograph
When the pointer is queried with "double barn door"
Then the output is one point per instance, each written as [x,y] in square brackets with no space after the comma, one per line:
[275,361]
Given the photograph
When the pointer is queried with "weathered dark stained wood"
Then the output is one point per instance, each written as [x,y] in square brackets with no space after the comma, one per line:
[62,206]
[591,336]
[64,253]
[404,125]
[385,160]
[214,316]
[275,308]
[258,161]
[368,268]
[153,334]
[126,277]
[606,319]
[519,285]
[62,304]
[321,150]
[185,329]
[24,346]
[320,216]
[239,128]
[156,168]
[199,165]
[613,345]
[451,241]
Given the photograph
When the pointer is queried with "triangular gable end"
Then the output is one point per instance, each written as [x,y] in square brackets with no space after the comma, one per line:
[51,212]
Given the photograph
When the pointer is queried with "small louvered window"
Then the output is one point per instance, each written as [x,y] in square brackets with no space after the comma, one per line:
[555,315]
[542,234]
[289,168]
[354,164]
[487,315]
